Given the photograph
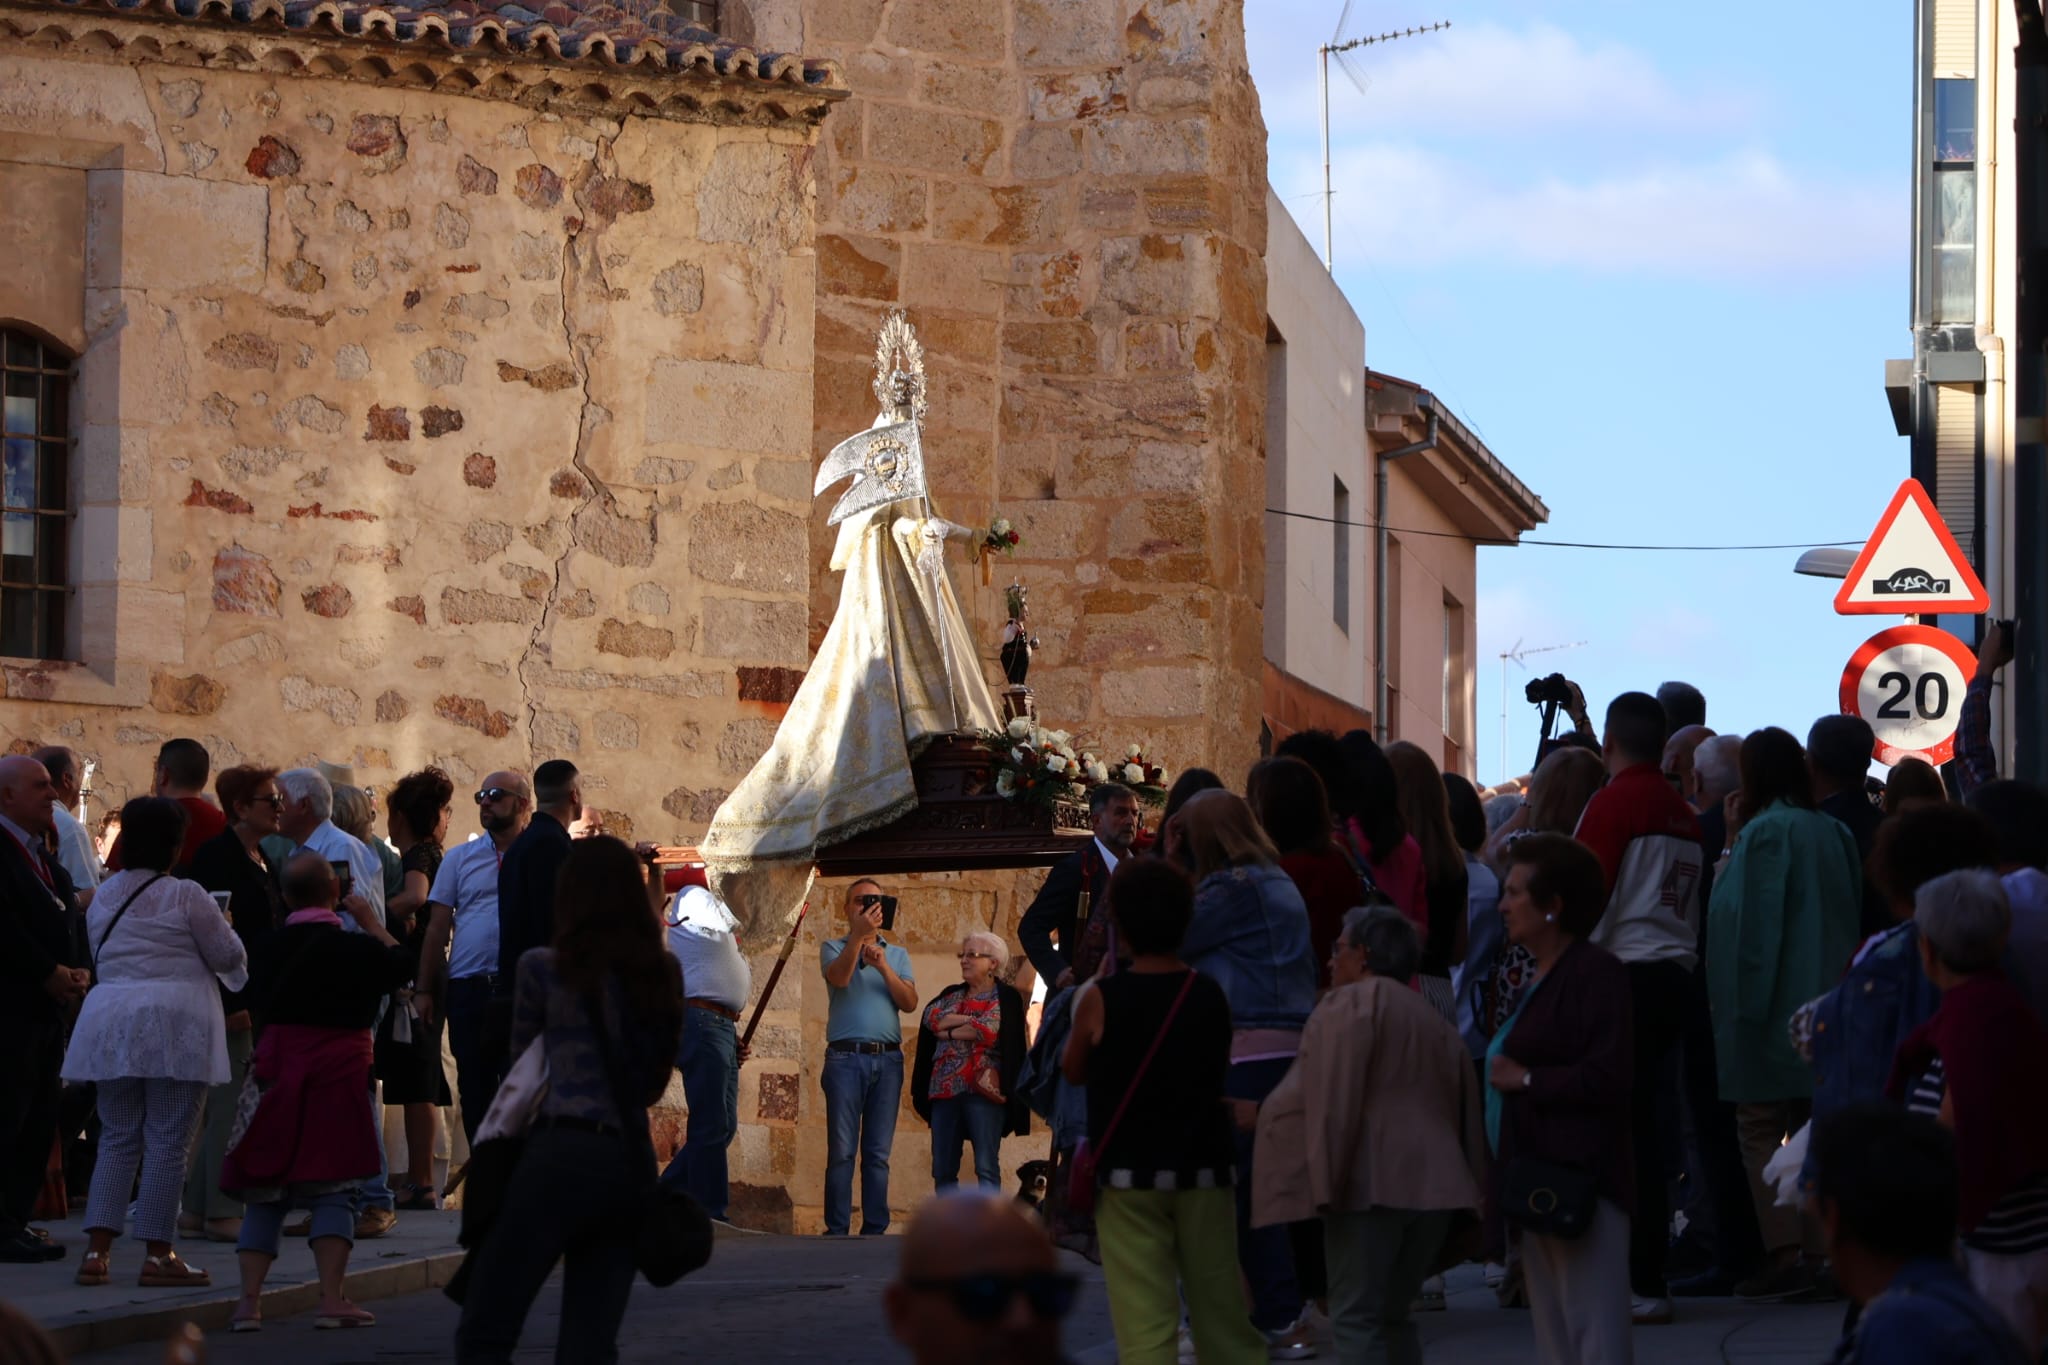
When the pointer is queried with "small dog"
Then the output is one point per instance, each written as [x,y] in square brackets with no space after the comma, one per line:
[1033,1177]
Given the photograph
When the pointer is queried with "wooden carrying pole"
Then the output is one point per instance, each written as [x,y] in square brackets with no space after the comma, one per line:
[775,975]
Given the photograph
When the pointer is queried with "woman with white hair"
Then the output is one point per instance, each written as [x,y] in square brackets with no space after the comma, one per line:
[970,1047]
[1976,1066]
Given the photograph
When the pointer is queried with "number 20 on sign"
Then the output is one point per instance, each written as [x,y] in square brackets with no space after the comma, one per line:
[1908,682]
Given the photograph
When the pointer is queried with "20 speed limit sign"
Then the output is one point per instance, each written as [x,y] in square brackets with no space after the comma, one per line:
[1908,683]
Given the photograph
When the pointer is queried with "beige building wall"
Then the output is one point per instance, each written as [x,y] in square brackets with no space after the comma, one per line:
[1067,196]
[420,427]
[1432,628]
[1315,443]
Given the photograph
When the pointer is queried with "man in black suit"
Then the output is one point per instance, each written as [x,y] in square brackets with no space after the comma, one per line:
[1113,811]
[42,960]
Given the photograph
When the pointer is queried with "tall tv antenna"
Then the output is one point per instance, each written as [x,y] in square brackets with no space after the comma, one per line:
[1341,47]
[1519,655]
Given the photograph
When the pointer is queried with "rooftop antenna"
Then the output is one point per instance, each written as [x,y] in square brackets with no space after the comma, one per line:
[1519,654]
[1341,46]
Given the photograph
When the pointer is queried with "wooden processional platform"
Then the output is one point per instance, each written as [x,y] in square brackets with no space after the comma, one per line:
[960,824]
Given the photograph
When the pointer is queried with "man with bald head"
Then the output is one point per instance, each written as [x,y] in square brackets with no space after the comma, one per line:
[1678,756]
[978,1281]
[42,963]
[459,961]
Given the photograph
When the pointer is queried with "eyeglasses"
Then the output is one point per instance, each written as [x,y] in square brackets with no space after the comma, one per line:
[986,957]
[984,1298]
[275,801]
[490,794]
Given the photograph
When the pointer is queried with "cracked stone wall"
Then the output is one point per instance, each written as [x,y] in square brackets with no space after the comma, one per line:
[425,429]
[1068,197]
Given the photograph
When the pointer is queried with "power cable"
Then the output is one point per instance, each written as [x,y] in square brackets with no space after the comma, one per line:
[1561,544]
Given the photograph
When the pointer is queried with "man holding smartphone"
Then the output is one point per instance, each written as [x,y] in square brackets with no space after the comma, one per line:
[870,988]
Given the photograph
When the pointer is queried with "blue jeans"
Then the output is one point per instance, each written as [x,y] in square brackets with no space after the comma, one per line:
[967,1118]
[476,1073]
[709,1059]
[1265,1254]
[375,1191]
[263,1224]
[862,1093]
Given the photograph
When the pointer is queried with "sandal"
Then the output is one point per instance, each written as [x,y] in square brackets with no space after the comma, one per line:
[417,1198]
[171,1271]
[247,1317]
[92,1268]
[348,1316]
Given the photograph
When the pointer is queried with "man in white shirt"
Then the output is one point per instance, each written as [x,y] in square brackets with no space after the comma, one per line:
[74,845]
[716,984]
[307,820]
[459,961]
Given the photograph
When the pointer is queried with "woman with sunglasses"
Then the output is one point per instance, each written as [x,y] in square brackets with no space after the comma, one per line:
[233,863]
[970,1047]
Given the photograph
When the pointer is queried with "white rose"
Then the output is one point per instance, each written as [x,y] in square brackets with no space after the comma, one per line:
[1016,755]
[1020,728]
[1133,752]
[1061,738]
[1098,772]
[1055,764]
[1006,785]
[1133,773]
[1001,526]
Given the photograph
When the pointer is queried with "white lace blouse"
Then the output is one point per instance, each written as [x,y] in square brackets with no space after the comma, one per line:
[156,1011]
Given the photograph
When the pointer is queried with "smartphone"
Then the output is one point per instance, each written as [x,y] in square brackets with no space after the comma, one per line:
[345,877]
[223,899]
[888,907]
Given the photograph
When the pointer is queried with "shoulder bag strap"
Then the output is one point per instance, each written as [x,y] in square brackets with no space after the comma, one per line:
[107,932]
[1131,1091]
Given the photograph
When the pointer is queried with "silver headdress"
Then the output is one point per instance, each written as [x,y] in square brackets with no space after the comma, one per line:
[886,462]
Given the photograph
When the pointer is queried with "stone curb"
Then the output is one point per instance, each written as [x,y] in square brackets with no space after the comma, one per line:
[211,1315]
[371,1282]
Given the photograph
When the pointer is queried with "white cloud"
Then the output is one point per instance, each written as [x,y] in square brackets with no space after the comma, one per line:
[1738,214]
[1481,78]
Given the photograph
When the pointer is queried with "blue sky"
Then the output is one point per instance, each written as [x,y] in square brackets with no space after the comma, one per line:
[1656,255]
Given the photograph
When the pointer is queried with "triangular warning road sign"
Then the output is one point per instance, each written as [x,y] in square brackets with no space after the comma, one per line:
[1911,565]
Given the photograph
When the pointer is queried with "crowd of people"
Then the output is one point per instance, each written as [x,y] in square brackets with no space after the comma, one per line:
[211,1018]
[1673,1021]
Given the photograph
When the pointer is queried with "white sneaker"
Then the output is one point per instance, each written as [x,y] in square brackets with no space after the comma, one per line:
[1294,1342]
[1186,1354]
[1430,1298]
[1496,1274]
[1650,1312]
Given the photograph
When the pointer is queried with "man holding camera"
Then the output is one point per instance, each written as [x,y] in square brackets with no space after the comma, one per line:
[870,988]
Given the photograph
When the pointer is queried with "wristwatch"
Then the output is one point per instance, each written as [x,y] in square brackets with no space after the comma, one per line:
[1528,1079]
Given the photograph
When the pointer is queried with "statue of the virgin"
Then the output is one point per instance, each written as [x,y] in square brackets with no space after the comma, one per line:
[896,670]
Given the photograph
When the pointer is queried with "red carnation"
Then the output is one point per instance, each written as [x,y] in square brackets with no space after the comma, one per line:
[1013,537]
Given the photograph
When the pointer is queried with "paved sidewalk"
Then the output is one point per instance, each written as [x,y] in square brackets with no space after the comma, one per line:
[420,1253]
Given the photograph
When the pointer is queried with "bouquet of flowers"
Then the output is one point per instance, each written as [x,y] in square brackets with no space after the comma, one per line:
[1000,536]
[1034,765]
[1140,774]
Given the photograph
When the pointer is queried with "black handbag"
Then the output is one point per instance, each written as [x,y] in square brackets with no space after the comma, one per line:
[1548,1199]
[674,1233]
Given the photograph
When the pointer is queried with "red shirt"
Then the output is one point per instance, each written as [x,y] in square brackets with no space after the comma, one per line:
[204,822]
[1329,886]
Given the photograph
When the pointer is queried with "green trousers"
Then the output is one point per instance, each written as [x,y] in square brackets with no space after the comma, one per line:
[1157,1244]
[1378,1260]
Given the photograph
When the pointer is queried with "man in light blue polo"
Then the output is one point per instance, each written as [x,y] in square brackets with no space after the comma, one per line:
[870,988]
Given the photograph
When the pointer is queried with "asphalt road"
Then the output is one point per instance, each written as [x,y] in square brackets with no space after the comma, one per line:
[813,1299]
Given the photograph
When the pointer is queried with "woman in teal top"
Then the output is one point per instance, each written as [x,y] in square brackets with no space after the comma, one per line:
[1780,929]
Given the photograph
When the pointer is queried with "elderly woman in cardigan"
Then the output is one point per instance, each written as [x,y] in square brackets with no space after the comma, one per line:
[970,1050]
[1376,1134]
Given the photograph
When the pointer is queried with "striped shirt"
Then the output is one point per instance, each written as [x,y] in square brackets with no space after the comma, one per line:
[2017,1224]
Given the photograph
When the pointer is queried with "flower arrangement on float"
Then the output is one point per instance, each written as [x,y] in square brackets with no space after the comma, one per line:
[1040,767]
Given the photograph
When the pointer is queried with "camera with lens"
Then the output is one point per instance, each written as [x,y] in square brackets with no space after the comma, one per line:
[1555,690]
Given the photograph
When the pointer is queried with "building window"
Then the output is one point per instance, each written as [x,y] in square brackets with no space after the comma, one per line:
[697,13]
[1952,239]
[1340,575]
[35,497]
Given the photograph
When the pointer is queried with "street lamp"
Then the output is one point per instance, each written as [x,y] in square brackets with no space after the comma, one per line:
[1826,563]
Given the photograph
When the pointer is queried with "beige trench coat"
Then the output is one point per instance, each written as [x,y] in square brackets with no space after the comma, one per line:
[1381,1109]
